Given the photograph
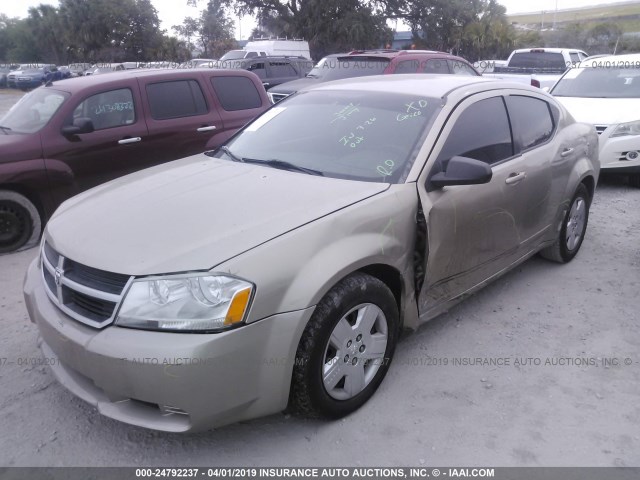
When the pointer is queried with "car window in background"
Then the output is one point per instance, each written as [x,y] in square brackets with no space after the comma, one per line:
[259,69]
[33,111]
[460,68]
[236,93]
[436,65]
[349,135]
[107,109]
[347,67]
[407,66]
[181,98]
[531,119]
[482,132]
[596,82]
[282,69]
[543,60]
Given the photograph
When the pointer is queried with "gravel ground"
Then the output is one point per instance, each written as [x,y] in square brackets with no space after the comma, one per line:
[567,393]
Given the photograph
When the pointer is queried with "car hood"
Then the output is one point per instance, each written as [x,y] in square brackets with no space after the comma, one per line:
[192,214]
[295,85]
[602,111]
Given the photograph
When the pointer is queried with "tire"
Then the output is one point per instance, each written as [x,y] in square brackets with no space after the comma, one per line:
[20,222]
[574,227]
[634,180]
[346,348]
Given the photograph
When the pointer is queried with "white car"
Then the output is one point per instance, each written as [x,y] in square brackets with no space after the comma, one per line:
[605,91]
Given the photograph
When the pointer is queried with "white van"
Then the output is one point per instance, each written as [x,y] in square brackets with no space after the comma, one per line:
[271,48]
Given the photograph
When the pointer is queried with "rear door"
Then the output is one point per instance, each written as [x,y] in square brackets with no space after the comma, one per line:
[180,116]
[279,71]
[116,147]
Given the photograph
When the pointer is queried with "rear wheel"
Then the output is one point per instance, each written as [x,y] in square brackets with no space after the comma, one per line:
[346,348]
[574,227]
[19,222]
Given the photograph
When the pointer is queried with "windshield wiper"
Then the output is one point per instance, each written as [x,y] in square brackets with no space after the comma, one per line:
[283,165]
[231,155]
[280,164]
[5,129]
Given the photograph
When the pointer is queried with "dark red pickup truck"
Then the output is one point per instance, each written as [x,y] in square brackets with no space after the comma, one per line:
[68,136]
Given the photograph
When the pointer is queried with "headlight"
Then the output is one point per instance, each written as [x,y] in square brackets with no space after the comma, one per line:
[631,128]
[196,303]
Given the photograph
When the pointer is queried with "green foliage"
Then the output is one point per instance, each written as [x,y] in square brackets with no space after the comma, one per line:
[328,25]
[83,31]
[211,33]
[474,29]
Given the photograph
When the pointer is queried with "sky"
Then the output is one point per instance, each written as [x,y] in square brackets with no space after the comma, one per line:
[172,12]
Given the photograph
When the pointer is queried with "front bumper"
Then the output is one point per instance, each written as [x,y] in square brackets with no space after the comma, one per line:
[169,381]
[617,153]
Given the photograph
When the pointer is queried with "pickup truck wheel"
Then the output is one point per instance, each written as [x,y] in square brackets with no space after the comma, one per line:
[346,348]
[574,226]
[19,222]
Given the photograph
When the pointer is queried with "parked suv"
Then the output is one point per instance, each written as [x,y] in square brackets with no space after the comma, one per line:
[361,63]
[273,71]
[61,139]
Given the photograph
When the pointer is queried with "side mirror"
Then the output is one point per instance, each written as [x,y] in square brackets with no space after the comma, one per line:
[80,125]
[462,171]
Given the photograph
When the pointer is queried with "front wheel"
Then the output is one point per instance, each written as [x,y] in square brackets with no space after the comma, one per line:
[574,227]
[346,348]
[20,223]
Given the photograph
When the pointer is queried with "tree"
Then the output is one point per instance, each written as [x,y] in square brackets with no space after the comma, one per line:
[46,30]
[472,28]
[213,30]
[328,25]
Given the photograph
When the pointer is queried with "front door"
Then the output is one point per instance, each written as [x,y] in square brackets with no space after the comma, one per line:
[474,231]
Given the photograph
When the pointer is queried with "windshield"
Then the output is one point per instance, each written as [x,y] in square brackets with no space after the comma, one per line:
[33,71]
[594,82]
[34,110]
[233,55]
[364,136]
[337,68]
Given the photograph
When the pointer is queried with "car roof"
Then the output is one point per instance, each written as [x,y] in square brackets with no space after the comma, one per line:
[614,60]
[430,85]
[80,83]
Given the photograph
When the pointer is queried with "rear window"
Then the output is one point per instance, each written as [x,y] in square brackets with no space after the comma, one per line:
[236,93]
[180,98]
[348,67]
[544,60]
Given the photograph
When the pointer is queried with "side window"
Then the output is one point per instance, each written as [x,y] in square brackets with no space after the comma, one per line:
[436,65]
[575,58]
[532,120]
[407,66]
[180,98]
[481,132]
[236,93]
[259,69]
[282,69]
[461,68]
[108,109]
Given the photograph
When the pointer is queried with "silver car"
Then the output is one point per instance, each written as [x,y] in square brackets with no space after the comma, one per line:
[278,271]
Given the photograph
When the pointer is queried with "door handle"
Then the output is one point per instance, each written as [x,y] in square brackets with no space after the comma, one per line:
[566,152]
[126,141]
[207,129]
[515,178]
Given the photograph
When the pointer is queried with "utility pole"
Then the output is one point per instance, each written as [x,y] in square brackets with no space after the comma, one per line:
[555,15]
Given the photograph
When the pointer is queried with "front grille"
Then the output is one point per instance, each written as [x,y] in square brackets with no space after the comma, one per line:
[601,128]
[94,278]
[87,306]
[86,294]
